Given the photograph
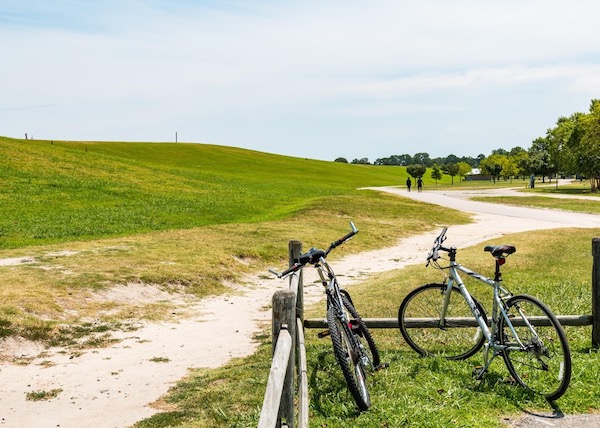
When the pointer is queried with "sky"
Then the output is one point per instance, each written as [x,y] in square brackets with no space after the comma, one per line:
[312,79]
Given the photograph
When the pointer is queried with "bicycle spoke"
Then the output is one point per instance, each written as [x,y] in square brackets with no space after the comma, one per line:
[543,362]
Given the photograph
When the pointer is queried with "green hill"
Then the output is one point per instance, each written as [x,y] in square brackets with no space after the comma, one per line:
[62,191]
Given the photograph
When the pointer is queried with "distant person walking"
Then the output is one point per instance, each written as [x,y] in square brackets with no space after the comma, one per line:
[419,185]
[408,183]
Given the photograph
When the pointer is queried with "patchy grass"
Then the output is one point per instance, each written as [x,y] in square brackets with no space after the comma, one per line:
[43,395]
[576,205]
[53,290]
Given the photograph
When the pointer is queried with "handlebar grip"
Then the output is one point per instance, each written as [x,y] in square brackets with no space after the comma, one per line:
[344,238]
[293,268]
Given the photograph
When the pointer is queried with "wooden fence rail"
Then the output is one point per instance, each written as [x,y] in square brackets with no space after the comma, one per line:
[373,323]
[270,409]
[288,326]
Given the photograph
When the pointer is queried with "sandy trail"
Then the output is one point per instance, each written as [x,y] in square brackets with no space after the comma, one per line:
[113,387]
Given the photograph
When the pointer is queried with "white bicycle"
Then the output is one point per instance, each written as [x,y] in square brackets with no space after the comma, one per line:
[444,319]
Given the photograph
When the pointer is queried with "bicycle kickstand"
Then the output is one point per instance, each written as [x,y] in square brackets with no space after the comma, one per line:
[479,371]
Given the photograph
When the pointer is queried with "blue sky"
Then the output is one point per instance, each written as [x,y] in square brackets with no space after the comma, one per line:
[316,79]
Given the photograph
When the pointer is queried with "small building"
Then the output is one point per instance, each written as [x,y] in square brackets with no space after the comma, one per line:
[476,175]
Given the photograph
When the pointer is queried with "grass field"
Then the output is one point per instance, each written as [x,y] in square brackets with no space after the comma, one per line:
[90,215]
[577,205]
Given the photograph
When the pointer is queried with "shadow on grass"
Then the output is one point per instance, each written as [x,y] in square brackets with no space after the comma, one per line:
[329,393]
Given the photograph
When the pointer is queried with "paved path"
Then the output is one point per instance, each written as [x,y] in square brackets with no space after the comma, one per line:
[459,200]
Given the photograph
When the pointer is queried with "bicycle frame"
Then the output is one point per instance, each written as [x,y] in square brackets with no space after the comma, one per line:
[334,297]
[332,288]
[498,309]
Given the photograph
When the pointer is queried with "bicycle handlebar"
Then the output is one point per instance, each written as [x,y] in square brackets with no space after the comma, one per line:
[342,239]
[314,254]
[437,245]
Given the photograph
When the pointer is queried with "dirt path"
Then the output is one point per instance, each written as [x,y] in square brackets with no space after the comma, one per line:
[113,387]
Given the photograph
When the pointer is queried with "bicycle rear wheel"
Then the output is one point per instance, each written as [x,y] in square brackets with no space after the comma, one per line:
[349,359]
[363,331]
[543,364]
[419,321]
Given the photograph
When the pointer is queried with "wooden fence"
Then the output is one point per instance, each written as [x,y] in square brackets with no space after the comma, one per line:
[288,326]
[287,330]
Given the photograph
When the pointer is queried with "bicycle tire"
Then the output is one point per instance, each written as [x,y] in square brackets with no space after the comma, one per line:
[544,368]
[349,360]
[451,342]
[363,330]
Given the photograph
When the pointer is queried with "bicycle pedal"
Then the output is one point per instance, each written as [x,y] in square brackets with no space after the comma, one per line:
[323,334]
[381,366]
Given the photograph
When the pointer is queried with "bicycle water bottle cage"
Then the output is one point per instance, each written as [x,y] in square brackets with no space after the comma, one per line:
[500,251]
[312,256]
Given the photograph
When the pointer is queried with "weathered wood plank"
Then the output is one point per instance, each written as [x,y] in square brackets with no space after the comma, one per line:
[302,378]
[270,408]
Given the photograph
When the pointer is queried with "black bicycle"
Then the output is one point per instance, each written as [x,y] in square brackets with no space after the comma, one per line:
[347,330]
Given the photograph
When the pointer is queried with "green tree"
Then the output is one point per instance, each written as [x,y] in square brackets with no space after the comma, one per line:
[436,173]
[588,150]
[463,169]
[451,169]
[520,157]
[423,159]
[340,159]
[510,168]
[416,170]
[539,155]
[558,144]
[493,165]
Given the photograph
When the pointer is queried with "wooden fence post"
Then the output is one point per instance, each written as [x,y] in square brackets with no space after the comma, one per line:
[284,313]
[596,293]
[295,249]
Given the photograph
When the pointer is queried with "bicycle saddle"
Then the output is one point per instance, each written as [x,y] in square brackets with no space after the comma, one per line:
[500,250]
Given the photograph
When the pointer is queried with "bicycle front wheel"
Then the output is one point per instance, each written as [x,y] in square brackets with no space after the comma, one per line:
[419,319]
[538,357]
[349,359]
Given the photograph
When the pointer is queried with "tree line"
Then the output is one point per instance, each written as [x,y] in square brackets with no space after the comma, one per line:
[571,147]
